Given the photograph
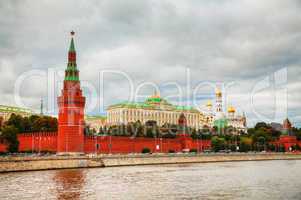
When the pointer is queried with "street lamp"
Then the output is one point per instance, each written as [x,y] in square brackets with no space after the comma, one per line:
[110,144]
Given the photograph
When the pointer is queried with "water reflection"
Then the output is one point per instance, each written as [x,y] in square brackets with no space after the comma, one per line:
[69,184]
[270,180]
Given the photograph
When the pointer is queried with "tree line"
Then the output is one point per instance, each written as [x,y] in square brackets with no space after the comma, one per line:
[149,129]
[18,124]
[258,138]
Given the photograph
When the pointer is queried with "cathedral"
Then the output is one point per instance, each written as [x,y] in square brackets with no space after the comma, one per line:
[222,120]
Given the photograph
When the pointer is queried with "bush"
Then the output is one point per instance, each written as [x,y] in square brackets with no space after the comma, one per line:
[243,147]
[281,148]
[233,147]
[145,150]
[271,147]
[28,151]
[171,151]
[193,150]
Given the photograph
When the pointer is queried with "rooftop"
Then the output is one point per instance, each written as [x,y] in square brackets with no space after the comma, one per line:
[9,109]
[153,103]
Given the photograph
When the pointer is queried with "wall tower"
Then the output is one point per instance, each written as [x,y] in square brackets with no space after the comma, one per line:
[71,105]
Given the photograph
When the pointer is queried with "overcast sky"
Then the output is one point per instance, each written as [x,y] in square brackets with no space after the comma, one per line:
[251,47]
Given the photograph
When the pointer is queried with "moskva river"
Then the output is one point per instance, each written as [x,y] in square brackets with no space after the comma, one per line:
[231,180]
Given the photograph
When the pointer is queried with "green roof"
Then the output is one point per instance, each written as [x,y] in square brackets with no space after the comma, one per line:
[95,117]
[154,103]
[221,123]
[14,109]
[154,99]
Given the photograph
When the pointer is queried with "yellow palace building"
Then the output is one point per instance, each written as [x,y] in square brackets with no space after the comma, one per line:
[154,108]
[160,110]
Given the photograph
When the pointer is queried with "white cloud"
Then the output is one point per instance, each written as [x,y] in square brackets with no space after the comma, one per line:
[155,41]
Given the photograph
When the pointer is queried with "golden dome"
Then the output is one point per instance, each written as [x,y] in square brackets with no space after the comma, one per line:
[231,109]
[218,93]
[209,104]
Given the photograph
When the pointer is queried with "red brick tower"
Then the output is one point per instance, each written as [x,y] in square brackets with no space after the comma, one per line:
[71,109]
[182,133]
[182,125]
[286,127]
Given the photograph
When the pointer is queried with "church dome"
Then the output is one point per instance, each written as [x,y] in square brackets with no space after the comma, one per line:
[231,109]
[209,104]
[218,93]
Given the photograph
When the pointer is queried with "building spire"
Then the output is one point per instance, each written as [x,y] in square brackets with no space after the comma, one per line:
[41,111]
[72,48]
[71,73]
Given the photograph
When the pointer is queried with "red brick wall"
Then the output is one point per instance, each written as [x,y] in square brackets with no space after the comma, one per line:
[47,141]
[2,148]
[41,141]
[135,145]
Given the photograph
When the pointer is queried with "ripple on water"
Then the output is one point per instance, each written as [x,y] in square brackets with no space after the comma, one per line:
[236,180]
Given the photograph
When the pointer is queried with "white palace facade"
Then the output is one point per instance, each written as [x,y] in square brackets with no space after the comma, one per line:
[158,109]
[154,108]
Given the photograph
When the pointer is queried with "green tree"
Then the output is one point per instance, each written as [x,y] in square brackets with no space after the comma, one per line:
[146,150]
[218,143]
[194,135]
[9,136]
[251,131]
[298,134]
[245,144]
[16,121]
[261,125]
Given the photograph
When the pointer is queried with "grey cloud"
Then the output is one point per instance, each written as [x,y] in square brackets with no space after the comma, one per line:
[240,41]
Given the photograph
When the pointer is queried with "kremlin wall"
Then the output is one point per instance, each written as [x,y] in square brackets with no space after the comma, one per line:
[70,138]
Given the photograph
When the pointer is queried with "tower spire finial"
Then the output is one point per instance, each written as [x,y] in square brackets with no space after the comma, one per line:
[72,48]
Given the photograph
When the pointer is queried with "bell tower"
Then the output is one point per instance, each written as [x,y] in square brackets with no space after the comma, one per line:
[71,105]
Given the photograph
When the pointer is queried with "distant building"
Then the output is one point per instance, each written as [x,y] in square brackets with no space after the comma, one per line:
[287,127]
[95,122]
[157,109]
[6,111]
[221,120]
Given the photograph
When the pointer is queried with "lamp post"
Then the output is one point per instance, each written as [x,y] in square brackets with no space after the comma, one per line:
[110,145]
[133,145]
[201,142]
[198,147]
[40,144]
[161,145]
[95,139]
[32,143]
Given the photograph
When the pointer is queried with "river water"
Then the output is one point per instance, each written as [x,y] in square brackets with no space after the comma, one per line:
[229,180]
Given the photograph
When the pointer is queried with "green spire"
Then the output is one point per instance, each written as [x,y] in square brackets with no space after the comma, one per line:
[71,73]
[72,48]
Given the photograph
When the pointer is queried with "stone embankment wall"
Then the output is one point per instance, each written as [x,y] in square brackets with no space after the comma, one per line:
[8,164]
[176,159]
[12,164]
